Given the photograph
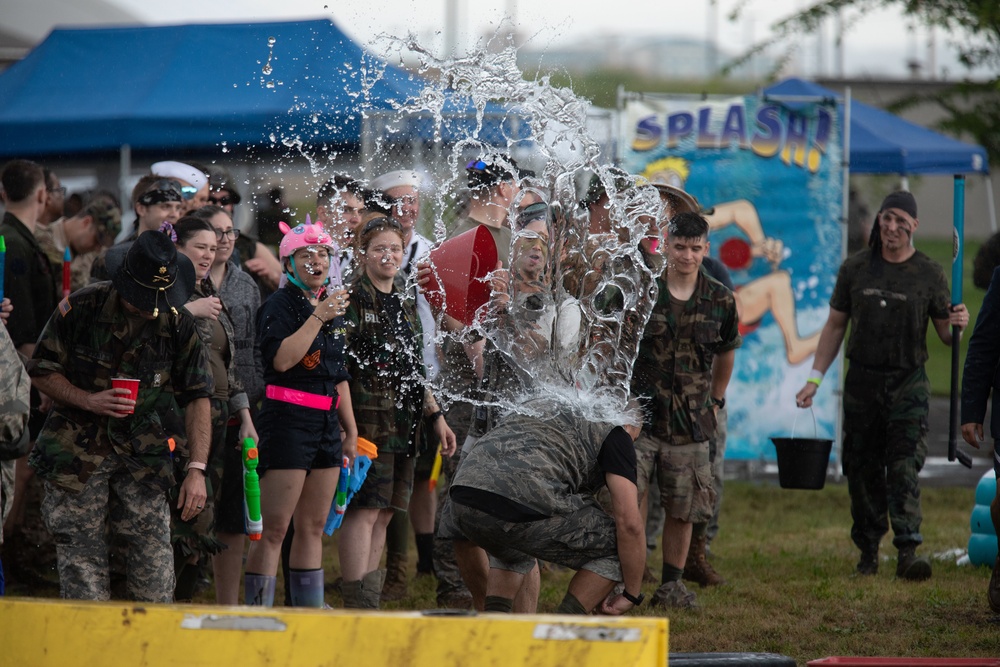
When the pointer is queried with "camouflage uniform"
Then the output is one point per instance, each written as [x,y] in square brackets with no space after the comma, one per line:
[14,390]
[385,360]
[886,390]
[52,240]
[84,458]
[673,375]
[547,462]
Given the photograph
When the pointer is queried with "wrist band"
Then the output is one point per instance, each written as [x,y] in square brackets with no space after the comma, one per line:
[321,320]
[197,466]
[815,377]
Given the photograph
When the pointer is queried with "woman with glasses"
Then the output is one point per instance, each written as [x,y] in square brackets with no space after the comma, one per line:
[197,239]
[385,360]
[307,406]
[241,299]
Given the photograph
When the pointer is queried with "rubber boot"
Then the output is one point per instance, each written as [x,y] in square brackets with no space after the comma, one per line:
[395,587]
[697,568]
[371,589]
[350,591]
[911,566]
[258,590]
[868,564]
[307,588]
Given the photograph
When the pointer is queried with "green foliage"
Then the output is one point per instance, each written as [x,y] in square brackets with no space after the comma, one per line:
[972,107]
[601,86]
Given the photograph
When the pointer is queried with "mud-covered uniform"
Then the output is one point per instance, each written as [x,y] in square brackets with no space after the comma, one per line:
[296,437]
[385,360]
[886,390]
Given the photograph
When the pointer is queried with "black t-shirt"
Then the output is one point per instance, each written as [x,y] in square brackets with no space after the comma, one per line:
[617,457]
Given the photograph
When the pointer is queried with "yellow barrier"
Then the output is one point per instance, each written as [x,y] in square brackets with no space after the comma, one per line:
[39,633]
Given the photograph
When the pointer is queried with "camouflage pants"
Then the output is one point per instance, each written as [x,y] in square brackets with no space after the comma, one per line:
[6,491]
[583,540]
[449,579]
[885,444]
[78,521]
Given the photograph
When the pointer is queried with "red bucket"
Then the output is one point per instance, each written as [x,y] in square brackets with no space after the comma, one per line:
[463,264]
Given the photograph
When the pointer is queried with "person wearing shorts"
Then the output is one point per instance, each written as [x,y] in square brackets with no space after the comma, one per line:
[385,361]
[307,404]
[683,368]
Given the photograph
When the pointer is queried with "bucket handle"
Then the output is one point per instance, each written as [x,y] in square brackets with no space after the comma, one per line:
[815,426]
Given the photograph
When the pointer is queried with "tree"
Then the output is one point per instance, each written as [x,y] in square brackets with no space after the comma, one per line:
[971,106]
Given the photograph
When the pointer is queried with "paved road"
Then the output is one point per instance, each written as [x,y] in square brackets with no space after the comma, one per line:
[938,471]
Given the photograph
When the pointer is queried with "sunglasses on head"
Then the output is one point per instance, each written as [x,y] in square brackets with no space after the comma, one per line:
[164,190]
[376,223]
[188,191]
[477,165]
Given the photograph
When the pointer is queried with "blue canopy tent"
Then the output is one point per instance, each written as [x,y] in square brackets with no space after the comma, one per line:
[188,86]
[90,90]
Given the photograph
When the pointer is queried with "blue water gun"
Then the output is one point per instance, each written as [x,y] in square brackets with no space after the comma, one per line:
[367,451]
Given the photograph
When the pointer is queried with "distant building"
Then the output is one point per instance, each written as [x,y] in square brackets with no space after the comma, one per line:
[674,57]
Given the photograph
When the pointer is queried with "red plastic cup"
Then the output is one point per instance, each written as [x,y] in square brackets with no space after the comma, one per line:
[133,387]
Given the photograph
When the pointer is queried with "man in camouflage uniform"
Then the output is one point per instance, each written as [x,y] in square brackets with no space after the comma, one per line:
[86,234]
[527,490]
[683,368]
[888,294]
[92,447]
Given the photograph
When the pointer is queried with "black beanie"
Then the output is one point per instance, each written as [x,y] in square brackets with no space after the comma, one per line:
[902,200]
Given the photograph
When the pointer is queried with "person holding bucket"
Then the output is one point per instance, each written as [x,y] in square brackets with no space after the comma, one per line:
[887,294]
[300,333]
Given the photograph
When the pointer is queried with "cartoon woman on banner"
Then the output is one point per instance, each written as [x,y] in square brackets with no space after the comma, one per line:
[754,299]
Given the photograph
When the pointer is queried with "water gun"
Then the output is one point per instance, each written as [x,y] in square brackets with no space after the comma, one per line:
[340,499]
[3,262]
[251,490]
[367,452]
[435,470]
[67,260]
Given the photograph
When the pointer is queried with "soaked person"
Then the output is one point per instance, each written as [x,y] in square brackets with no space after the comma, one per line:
[887,294]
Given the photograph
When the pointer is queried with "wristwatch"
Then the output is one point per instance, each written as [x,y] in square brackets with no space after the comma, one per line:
[719,402]
[636,600]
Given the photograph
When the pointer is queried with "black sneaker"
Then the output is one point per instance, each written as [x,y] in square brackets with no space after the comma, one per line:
[911,566]
[868,565]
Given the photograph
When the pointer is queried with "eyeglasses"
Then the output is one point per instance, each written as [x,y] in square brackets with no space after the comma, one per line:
[60,190]
[231,233]
[376,223]
[477,165]
[188,191]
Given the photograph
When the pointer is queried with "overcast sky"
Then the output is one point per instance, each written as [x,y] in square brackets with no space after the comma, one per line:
[878,45]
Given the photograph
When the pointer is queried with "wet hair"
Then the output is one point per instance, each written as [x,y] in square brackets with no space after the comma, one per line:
[491,171]
[688,225]
[20,179]
[338,184]
[378,202]
[372,225]
[188,226]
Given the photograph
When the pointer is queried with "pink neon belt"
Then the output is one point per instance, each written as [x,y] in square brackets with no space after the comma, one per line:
[303,398]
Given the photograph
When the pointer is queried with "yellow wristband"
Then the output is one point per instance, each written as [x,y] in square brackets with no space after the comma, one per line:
[815,381]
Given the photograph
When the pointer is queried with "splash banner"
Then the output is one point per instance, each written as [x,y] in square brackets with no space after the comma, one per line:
[768,176]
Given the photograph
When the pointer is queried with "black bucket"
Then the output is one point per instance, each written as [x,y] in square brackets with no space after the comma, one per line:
[802,462]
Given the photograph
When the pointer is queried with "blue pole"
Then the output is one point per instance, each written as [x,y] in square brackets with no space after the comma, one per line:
[957,260]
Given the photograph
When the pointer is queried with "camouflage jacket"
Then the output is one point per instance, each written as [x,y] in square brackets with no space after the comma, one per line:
[545,459]
[87,341]
[385,360]
[14,389]
[673,371]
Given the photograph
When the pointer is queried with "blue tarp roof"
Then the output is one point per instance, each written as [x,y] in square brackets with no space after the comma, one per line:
[189,86]
[883,143]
